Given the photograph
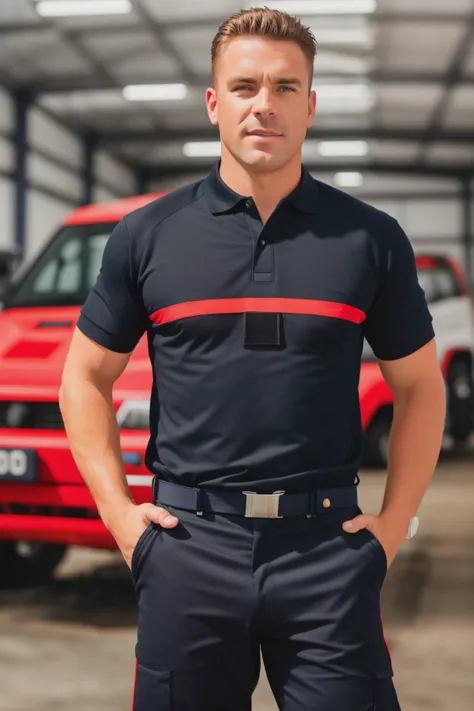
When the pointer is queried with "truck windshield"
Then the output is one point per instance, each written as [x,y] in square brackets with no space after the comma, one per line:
[64,272]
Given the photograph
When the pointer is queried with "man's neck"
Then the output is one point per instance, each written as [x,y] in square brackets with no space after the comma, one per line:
[266,189]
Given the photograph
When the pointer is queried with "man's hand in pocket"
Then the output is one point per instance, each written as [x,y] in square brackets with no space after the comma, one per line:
[128,525]
[389,535]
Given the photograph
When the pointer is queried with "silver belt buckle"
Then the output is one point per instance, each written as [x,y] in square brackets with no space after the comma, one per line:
[262,505]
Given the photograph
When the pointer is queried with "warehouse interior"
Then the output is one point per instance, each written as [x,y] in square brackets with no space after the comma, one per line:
[100,100]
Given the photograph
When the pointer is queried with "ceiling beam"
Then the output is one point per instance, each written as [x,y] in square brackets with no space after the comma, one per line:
[10,28]
[450,81]
[100,69]
[202,81]
[380,17]
[210,133]
[159,32]
[169,169]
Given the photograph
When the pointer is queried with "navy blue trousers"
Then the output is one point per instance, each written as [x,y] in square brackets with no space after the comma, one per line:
[218,593]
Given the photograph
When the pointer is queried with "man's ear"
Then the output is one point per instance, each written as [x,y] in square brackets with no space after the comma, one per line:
[311,108]
[211,106]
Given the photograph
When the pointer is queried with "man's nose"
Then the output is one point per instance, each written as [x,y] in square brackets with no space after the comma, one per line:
[263,105]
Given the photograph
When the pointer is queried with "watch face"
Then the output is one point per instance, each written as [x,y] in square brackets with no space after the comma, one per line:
[413,526]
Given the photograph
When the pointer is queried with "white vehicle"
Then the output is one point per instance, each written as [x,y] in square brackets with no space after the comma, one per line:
[452,307]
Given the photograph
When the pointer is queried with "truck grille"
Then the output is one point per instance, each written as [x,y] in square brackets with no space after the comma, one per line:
[53,511]
[27,414]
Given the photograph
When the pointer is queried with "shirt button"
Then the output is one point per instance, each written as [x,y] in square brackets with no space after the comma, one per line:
[263,243]
[248,203]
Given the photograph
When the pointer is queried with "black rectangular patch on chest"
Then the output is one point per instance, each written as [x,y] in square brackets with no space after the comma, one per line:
[262,330]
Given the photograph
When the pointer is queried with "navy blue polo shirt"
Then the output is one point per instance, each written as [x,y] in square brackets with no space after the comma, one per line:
[198,272]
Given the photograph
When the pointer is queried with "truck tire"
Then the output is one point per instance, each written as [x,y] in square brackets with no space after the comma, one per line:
[376,439]
[460,386]
[28,562]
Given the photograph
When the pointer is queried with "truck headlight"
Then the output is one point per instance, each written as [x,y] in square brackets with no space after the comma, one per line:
[134,415]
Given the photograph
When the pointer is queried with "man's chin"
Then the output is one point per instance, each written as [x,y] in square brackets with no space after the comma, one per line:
[263,160]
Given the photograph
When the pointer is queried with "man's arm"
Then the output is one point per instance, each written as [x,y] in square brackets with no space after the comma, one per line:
[415,443]
[86,405]
[419,414]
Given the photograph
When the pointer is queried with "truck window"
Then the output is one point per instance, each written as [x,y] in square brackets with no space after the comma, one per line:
[65,271]
[438,283]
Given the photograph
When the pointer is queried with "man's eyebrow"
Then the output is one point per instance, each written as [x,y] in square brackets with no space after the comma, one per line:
[242,80]
[278,80]
[287,80]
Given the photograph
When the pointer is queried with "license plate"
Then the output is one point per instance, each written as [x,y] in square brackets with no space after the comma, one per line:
[17,465]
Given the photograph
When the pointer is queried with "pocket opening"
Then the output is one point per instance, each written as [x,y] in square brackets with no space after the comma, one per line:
[137,554]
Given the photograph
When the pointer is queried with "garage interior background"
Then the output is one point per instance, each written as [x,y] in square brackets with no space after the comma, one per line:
[100,100]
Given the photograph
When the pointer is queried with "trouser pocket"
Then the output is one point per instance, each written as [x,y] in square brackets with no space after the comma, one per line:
[152,690]
[142,545]
[380,555]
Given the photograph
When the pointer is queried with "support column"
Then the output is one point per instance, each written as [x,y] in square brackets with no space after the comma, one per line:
[143,179]
[88,175]
[23,99]
[467,241]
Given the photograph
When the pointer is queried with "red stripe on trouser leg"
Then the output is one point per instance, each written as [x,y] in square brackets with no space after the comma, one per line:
[134,685]
[386,643]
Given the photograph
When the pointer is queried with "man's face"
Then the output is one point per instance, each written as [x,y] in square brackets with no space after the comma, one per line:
[261,101]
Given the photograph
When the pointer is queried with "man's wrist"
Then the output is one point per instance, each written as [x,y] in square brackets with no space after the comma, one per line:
[112,515]
[396,520]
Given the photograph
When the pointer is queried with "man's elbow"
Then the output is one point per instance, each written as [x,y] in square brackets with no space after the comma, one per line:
[64,395]
[431,388]
[72,384]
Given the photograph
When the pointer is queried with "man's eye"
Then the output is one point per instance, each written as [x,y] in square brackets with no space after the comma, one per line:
[241,88]
[289,88]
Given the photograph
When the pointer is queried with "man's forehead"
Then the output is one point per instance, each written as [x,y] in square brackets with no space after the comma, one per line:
[281,57]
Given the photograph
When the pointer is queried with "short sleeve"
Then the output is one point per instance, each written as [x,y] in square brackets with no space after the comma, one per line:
[113,314]
[399,322]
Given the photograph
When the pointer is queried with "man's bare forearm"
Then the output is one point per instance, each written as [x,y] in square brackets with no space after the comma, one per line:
[415,443]
[94,439]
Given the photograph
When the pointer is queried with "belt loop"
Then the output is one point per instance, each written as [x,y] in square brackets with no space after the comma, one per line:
[155,485]
[198,503]
[312,504]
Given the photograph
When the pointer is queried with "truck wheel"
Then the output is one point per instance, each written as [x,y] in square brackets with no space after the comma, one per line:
[460,400]
[28,562]
[377,438]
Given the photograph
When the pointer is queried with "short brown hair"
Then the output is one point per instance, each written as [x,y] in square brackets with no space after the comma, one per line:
[264,22]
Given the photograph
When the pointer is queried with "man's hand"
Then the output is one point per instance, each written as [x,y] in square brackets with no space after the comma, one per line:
[389,534]
[129,525]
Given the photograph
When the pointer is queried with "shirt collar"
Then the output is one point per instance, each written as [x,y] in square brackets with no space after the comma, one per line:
[221,198]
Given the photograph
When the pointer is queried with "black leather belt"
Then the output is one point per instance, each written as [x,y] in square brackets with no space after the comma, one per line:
[251,504]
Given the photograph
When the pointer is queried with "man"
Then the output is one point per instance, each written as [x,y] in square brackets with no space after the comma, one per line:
[256,287]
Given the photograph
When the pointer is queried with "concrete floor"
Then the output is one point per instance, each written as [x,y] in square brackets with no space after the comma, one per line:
[70,645]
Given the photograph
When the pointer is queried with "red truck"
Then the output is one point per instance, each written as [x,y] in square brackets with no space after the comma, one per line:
[44,504]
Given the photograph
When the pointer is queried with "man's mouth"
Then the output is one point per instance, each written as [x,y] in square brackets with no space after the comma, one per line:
[264,134]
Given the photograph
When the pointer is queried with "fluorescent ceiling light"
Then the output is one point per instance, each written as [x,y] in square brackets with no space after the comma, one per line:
[352,36]
[154,92]
[343,149]
[70,8]
[202,149]
[348,109]
[342,63]
[349,179]
[347,98]
[343,92]
[324,7]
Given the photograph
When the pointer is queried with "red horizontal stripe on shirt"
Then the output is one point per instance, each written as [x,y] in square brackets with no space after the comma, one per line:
[207,307]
